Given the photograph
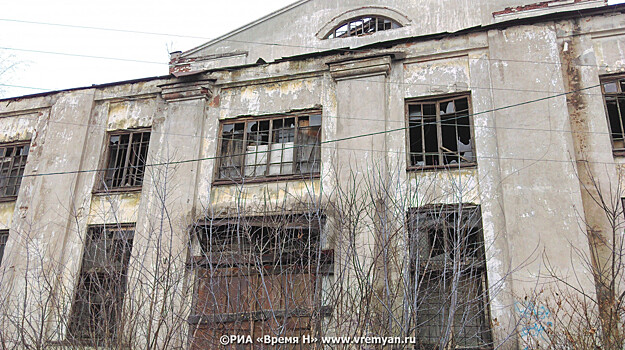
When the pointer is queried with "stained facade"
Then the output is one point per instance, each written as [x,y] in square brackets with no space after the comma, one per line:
[422,169]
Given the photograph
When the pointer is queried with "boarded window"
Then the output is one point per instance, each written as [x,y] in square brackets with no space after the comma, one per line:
[439,133]
[258,276]
[259,148]
[4,237]
[102,283]
[614,94]
[12,164]
[448,268]
[125,166]
[363,25]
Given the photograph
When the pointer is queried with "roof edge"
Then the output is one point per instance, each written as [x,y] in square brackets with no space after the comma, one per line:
[94,86]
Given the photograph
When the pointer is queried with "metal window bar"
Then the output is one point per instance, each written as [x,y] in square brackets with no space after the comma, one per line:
[102,283]
[12,163]
[127,155]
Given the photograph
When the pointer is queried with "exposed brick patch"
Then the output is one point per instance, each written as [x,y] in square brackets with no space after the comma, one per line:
[534,6]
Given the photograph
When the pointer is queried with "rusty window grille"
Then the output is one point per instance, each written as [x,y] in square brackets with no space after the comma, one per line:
[614,95]
[364,25]
[448,270]
[102,283]
[258,276]
[440,133]
[125,164]
[4,237]
[270,147]
[12,163]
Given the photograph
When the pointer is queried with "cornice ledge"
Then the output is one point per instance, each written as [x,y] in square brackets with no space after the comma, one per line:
[191,90]
[362,67]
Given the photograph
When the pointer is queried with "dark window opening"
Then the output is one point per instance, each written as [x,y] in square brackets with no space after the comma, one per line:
[258,276]
[4,237]
[360,26]
[448,268]
[260,148]
[127,153]
[614,94]
[12,164]
[100,292]
[439,133]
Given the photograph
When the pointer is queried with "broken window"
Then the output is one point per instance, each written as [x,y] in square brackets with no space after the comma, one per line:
[449,276]
[102,284]
[614,93]
[4,237]
[258,148]
[439,133]
[364,25]
[258,276]
[12,164]
[125,166]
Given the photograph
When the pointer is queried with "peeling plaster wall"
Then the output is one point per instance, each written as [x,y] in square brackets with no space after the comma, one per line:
[114,208]
[444,187]
[131,114]
[525,179]
[257,199]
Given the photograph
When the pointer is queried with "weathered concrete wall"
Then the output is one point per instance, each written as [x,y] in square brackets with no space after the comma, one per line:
[529,148]
[300,28]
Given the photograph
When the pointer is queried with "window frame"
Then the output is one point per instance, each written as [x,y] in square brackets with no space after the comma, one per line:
[438,100]
[394,24]
[4,239]
[266,178]
[434,266]
[10,198]
[603,81]
[100,187]
[74,315]
[256,314]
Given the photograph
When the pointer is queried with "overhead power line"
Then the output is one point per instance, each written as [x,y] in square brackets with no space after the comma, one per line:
[326,48]
[80,55]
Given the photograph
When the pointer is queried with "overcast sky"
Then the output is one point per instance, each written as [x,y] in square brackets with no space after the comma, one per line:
[39,71]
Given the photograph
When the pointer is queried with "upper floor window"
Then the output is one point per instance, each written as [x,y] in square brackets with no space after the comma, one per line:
[362,25]
[440,133]
[270,147]
[126,155]
[12,164]
[614,93]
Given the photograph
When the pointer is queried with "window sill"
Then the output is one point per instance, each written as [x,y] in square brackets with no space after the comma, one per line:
[257,315]
[116,190]
[443,167]
[618,152]
[8,199]
[277,178]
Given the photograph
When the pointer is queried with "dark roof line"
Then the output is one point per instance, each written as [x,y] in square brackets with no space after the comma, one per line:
[94,86]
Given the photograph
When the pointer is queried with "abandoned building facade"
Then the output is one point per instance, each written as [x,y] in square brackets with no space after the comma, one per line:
[428,170]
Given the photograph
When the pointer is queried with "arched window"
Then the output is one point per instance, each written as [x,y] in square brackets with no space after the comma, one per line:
[363,25]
